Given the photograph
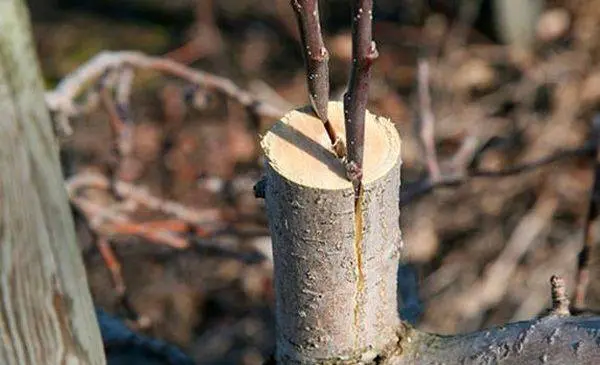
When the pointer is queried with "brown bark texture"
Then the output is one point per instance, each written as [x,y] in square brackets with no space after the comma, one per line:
[46,311]
[336,266]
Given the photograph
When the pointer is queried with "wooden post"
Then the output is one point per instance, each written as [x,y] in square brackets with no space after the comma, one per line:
[335,263]
[46,311]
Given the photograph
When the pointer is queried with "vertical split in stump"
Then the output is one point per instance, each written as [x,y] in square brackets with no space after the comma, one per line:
[335,271]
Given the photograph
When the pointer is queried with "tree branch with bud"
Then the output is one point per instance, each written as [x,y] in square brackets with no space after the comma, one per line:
[316,59]
[364,53]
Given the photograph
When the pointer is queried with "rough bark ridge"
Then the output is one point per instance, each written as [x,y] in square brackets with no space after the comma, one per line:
[46,311]
[336,299]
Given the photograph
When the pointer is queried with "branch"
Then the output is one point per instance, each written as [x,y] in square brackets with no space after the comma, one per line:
[551,340]
[98,215]
[424,186]
[316,58]
[110,220]
[555,338]
[142,196]
[112,263]
[61,100]
[122,143]
[364,52]
[426,131]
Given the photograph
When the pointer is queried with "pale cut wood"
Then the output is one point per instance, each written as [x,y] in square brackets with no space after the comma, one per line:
[46,311]
[299,149]
[335,263]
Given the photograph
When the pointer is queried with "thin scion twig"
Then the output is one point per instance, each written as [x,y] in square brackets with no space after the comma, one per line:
[427,121]
[584,257]
[364,52]
[316,59]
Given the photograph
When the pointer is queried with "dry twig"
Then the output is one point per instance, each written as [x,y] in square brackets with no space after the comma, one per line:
[112,264]
[427,121]
[111,220]
[106,221]
[424,186]
[61,100]
[142,196]
[122,143]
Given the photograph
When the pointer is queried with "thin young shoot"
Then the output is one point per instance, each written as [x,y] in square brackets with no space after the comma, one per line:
[316,60]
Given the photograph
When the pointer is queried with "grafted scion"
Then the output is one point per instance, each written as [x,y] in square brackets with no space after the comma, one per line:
[364,52]
[316,60]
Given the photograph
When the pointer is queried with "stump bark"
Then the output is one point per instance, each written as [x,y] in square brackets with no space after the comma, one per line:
[336,262]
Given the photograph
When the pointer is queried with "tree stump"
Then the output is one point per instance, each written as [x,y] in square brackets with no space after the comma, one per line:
[336,259]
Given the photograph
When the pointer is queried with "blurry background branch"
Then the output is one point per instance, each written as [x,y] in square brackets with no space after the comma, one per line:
[62,100]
